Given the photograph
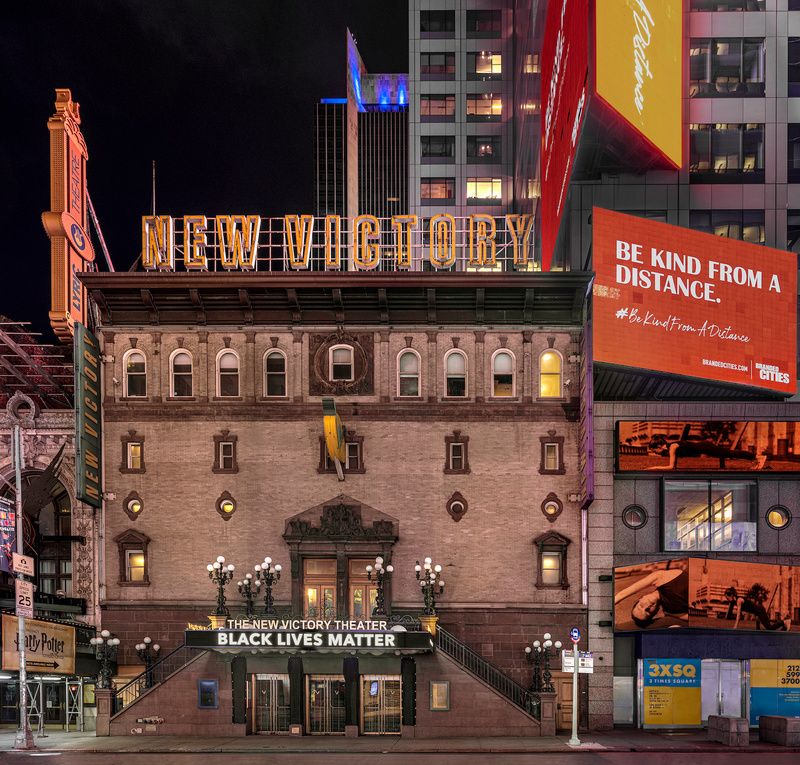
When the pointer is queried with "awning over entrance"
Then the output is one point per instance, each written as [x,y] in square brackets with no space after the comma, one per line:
[392,642]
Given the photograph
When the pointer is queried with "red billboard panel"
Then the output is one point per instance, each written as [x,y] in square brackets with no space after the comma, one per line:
[564,85]
[678,301]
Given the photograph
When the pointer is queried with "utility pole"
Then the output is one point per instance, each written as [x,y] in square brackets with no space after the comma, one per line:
[24,737]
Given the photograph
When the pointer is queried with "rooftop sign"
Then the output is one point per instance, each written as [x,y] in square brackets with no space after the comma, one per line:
[334,243]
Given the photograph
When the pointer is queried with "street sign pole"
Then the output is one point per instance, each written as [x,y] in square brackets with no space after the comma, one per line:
[24,737]
[575,636]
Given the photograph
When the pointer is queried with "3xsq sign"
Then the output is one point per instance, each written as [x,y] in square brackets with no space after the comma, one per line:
[672,670]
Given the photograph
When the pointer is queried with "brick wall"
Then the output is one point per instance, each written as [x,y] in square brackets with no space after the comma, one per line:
[176,702]
[475,709]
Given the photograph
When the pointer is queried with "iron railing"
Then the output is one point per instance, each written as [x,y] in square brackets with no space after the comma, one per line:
[476,664]
[158,673]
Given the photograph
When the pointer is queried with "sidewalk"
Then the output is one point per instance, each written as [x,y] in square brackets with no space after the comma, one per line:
[613,741]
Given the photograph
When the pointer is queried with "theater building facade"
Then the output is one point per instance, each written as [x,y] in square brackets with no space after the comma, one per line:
[459,398]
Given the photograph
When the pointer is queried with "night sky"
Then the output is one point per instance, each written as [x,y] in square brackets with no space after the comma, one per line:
[220,94]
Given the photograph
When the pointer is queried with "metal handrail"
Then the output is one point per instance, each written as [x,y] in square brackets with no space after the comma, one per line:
[486,671]
[160,671]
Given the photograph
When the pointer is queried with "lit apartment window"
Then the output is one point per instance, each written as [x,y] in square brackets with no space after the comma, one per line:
[550,374]
[227,375]
[134,569]
[745,225]
[486,24]
[484,190]
[135,455]
[437,24]
[275,374]
[502,374]
[726,67]
[135,374]
[437,66]
[710,515]
[437,190]
[730,5]
[484,107]
[484,149]
[319,588]
[532,65]
[550,457]
[438,149]
[408,374]
[484,65]
[437,108]
[181,374]
[456,374]
[726,152]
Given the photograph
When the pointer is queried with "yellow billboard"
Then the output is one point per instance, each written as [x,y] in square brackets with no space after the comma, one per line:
[638,68]
[672,693]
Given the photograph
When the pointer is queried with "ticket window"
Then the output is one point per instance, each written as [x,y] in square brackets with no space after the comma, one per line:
[363,594]
[319,588]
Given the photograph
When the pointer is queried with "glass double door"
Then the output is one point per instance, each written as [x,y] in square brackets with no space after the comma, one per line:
[721,688]
[269,696]
[381,704]
[325,704]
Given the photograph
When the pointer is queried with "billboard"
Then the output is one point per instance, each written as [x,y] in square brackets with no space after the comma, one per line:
[672,692]
[683,302]
[774,688]
[707,593]
[49,646]
[88,432]
[638,68]
[708,446]
[565,68]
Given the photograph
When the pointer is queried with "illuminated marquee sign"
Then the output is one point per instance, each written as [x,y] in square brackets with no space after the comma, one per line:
[303,242]
[684,302]
[88,438]
[66,221]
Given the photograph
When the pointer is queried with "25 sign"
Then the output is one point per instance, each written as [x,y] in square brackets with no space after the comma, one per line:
[24,598]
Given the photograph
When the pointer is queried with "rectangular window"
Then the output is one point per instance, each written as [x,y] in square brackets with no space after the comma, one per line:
[486,24]
[207,694]
[353,457]
[730,5]
[484,65]
[726,67]
[707,515]
[134,455]
[484,107]
[441,189]
[437,108]
[456,456]
[793,170]
[726,153]
[484,190]
[438,149]
[319,588]
[440,695]
[744,225]
[793,230]
[551,567]
[134,565]
[794,67]
[483,148]
[437,66]
[226,455]
[437,24]
[551,461]
[363,593]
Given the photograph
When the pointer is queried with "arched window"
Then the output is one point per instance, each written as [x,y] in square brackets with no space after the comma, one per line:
[227,374]
[455,364]
[135,374]
[181,371]
[274,373]
[408,373]
[503,373]
[550,374]
[340,363]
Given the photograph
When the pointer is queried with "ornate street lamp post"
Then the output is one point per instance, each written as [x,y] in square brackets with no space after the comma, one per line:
[268,574]
[220,574]
[429,578]
[249,589]
[105,647]
[380,575]
[540,656]
[147,651]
